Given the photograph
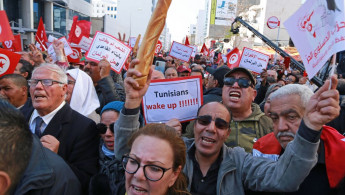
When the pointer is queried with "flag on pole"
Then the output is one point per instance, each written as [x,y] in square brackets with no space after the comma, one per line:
[5,29]
[186,41]
[233,58]
[79,29]
[13,45]
[8,61]
[41,36]
[204,50]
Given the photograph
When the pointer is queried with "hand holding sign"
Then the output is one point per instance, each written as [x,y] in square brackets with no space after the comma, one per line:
[104,67]
[36,55]
[134,94]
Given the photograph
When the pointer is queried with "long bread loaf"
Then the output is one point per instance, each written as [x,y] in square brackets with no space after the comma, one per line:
[148,45]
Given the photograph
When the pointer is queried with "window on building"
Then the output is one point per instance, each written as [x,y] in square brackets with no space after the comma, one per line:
[38,11]
[115,8]
[108,8]
[59,15]
[114,16]
[12,5]
[112,8]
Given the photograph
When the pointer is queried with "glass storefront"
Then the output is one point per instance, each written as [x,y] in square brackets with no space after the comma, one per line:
[59,19]
[12,5]
[38,11]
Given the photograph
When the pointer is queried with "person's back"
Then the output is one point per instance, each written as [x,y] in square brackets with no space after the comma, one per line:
[47,173]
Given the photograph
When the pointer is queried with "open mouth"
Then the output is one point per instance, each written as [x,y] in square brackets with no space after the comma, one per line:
[139,190]
[207,140]
[234,95]
[39,97]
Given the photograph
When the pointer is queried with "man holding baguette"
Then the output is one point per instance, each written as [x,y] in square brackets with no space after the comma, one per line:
[232,170]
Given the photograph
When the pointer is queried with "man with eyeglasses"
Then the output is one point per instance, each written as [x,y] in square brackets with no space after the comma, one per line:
[61,129]
[214,168]
[248,122]
[107,90]
[169,62]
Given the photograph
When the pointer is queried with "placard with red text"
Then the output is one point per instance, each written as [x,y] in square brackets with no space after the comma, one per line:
[318,31]
[180,51]
[173,98]
[254,60]
[107,47]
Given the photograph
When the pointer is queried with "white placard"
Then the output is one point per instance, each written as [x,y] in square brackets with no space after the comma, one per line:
[85,43]
[254,60]
[67,47]
[195,49]
[173,98]
[132,41]
[317,32]
[181,51]
[105,46]
[51,52]
[51,38]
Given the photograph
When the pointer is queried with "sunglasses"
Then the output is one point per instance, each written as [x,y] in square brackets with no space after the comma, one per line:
[102,128]
[242,82]
[207,119]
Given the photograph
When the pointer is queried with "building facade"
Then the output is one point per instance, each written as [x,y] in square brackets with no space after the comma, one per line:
[57,15]
[104,7]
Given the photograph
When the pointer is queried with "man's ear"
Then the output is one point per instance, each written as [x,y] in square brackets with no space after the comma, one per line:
[5,182]
[254,94]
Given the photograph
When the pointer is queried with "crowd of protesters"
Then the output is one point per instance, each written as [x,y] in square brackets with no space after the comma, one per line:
[77,128]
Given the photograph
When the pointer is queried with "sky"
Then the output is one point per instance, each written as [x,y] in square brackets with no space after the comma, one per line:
[181,14]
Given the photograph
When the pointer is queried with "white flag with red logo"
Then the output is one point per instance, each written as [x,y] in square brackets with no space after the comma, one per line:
[233,58]
[8,61]
[75,56]
[5,29]
[158,47]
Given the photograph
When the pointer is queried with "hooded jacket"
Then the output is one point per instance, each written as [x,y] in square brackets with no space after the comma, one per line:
[245,133]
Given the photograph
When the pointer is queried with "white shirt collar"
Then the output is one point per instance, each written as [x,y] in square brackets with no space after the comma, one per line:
[47,118]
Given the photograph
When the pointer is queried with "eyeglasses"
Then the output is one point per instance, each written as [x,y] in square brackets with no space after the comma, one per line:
[151,172]
[207,119]
[242,82]
[102,128]
[45,82]
[70,82]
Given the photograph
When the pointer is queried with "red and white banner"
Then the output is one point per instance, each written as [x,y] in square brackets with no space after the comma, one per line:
[8,62]
[254,60]
[75,56]
[13,45]
[180,51]
[204,50]
[318,31]
[41,36]
[79,29]
[5,29]
[233,58]
[173,98]
[159,46]
[105,46]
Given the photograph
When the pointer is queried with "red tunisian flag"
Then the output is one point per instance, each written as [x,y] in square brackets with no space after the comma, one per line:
[5,29]
[233,58]
[79,29]
[186,41]
[204,50]
[15,45]
[41,36]
[159,46]
[75,56]
[8,62]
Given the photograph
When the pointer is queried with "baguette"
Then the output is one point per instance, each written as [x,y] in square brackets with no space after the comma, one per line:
[148,45]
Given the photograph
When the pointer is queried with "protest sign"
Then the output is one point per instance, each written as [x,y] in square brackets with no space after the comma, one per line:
[132,41]
[85,43]
[8,62]
[51,38]
[51,52]
[195,49]
[67,47]
[107,47]
[318,31]
[173,98]
[180,51]
[254,60]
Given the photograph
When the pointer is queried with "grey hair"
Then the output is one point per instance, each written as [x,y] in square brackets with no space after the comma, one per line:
[294,89]
[62,77]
